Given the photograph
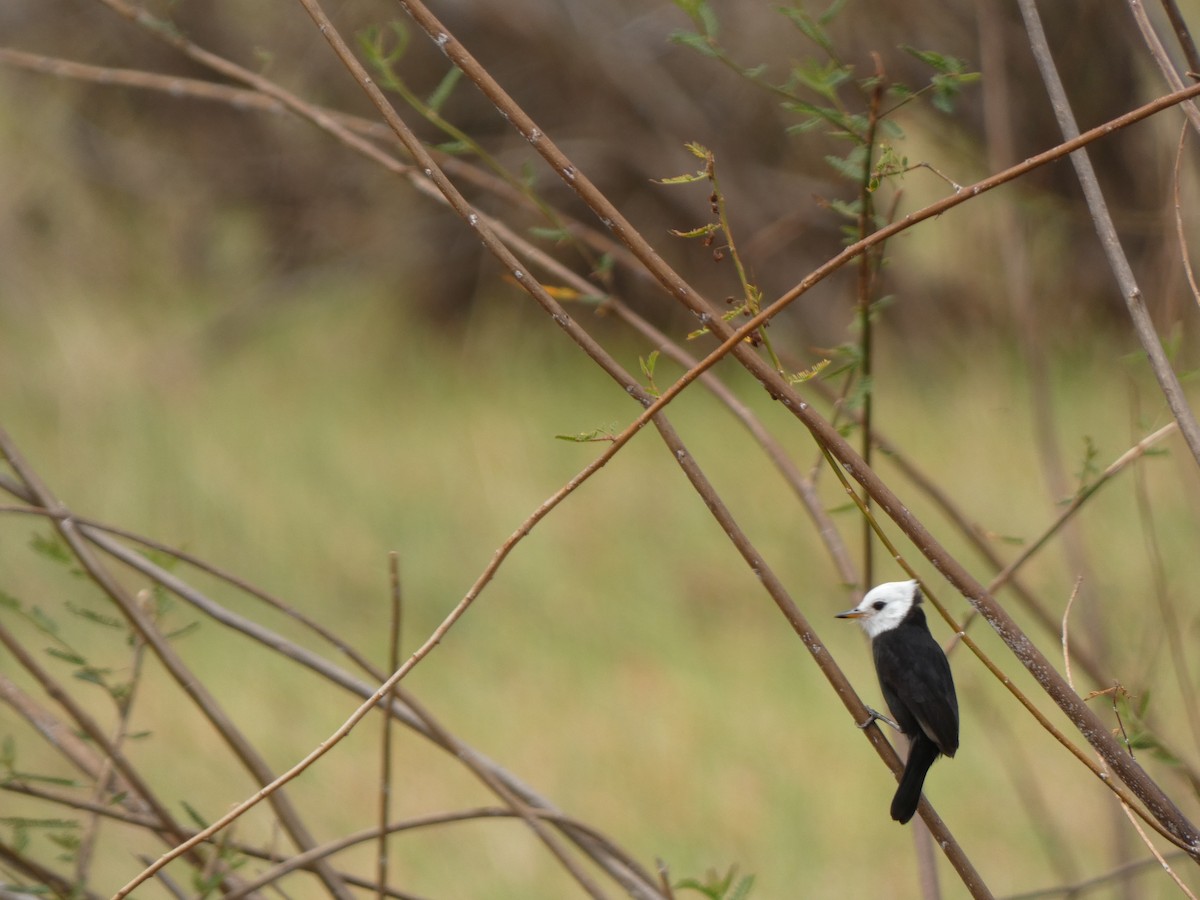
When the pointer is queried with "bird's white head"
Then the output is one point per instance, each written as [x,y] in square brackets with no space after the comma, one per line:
[885,606]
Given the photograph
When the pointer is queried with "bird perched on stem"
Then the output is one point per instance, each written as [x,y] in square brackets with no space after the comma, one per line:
[914,675]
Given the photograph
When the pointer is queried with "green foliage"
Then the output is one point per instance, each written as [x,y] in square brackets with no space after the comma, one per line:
[588,437]
[951,75]
[647,364]
[705,20]
[751,302]
[719,887]
[374,42]
[51,546]
[1088,468]
[826,92]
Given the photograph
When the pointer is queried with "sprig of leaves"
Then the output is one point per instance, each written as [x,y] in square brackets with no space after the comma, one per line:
[719,887]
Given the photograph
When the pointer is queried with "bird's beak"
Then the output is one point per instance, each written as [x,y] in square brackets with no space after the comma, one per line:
[850,614]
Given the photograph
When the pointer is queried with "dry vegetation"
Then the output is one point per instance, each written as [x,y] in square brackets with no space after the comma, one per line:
[266,329]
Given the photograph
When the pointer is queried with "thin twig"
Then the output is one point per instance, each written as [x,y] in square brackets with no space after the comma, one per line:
[1078,888]
[385,762]
[1066,642]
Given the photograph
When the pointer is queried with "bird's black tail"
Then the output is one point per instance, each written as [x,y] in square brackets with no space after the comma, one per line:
[921,754]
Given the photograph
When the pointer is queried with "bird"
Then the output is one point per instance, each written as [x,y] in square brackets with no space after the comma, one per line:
[915,678]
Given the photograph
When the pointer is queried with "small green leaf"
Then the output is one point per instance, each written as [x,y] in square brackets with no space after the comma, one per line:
[810,373]
[66,656]
[648,363]
[744,886]
[8,752]
[558,235]
[811,28]
[586,437]
[182,631]
[195,816]
[93,616]
[946,65]
[456,148]
[697,42]
[684,179]
[701,13]
[43,622]
[50,547]
[702,231]
[831,12]
[444,89]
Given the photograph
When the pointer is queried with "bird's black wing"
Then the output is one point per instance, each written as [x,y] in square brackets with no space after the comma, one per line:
[914,675]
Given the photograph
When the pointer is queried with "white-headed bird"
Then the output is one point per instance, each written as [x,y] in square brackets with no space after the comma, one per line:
[914,675]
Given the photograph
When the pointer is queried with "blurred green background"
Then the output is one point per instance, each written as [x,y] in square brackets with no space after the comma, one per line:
[223,330]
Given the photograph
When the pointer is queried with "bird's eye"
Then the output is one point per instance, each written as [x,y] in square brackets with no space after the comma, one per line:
[878,605]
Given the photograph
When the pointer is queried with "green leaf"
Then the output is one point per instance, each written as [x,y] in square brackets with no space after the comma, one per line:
[66,656]
[456,148]
[586,437]
[685,179]
[697,42]
[195,816]
[93,675]
[744,886]
[702,231]
[811,28]
[558,235]
[845,166]
[44,623]
[444,89]
[935,60]
[182,631]
[821,78]
[648,363]
[831,12]
[810,373]
[50,547]
[1141,703]
[93,616]
[701,13]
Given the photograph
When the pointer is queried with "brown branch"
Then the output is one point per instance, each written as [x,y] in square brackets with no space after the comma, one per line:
[385,763]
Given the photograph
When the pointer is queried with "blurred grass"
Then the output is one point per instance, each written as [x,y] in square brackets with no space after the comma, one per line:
[624,662]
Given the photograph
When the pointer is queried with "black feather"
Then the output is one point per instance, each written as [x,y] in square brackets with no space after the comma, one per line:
[915,678]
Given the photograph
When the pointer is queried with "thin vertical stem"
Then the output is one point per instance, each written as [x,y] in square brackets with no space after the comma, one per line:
[385,763]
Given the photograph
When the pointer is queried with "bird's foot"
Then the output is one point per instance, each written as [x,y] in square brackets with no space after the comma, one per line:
[877,717]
